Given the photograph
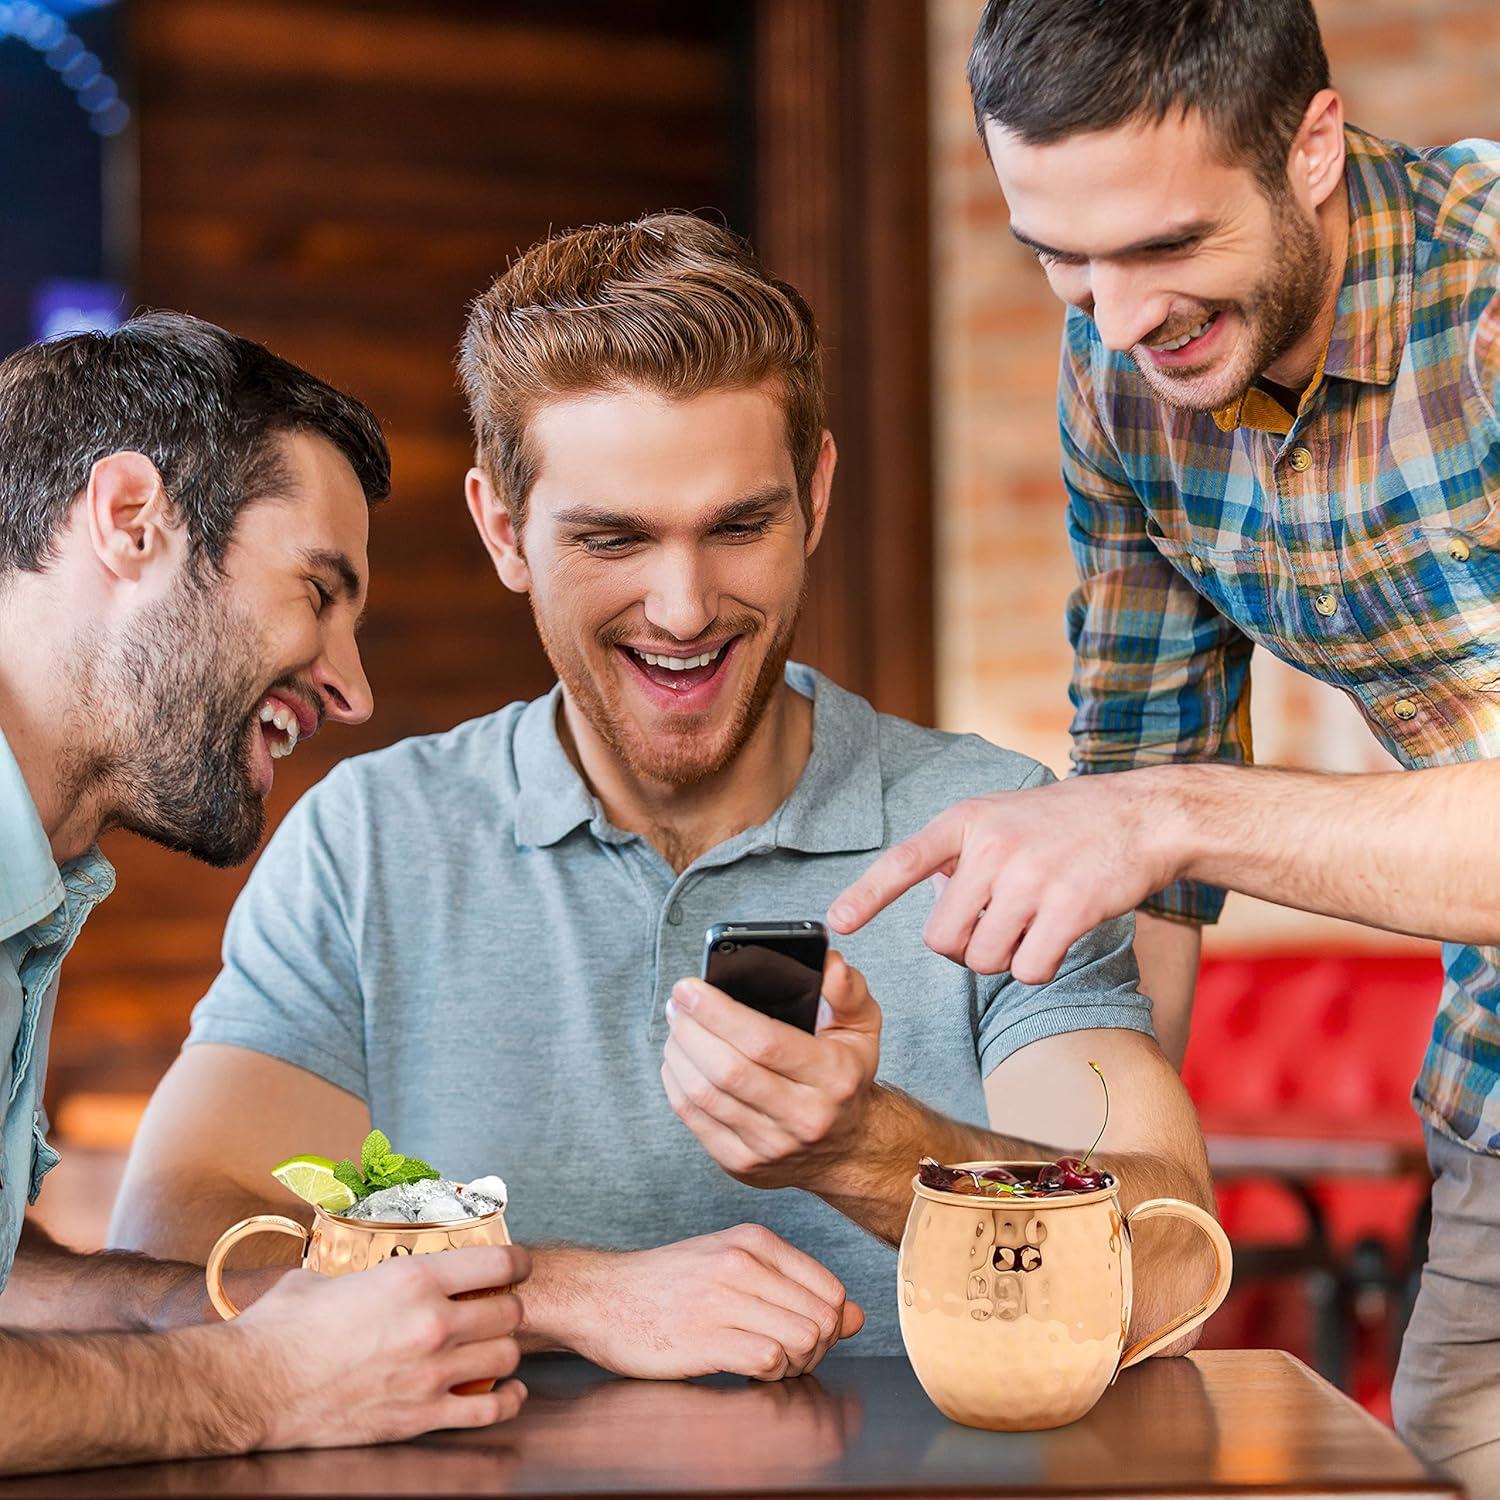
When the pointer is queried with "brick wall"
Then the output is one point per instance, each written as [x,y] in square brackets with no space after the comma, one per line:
[1424,71]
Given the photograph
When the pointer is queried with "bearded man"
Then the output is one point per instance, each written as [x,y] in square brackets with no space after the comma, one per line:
[183,529]
[1280,376]
[486,939]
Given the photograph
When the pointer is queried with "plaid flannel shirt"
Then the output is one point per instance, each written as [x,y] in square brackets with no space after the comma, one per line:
[1358,539]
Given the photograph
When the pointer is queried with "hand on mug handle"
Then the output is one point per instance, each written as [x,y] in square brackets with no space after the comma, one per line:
[1200,1312]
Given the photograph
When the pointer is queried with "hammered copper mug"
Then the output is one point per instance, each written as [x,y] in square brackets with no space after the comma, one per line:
[1014,1311]
[336,1246]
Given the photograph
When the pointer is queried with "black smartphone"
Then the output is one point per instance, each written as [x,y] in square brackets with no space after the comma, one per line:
[773,967]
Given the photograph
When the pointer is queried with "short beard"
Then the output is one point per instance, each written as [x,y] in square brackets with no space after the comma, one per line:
[169,714]
[1276,312]
[676,765]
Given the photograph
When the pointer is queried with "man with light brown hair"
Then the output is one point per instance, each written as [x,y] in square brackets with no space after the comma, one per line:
[478,939]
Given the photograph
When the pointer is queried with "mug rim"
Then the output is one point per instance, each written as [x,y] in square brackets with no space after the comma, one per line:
[974,1200]
[407,1224]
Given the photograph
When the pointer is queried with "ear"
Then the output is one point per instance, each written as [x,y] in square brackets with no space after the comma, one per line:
[130,522]
[1315,166]
[497,531]
[820,490]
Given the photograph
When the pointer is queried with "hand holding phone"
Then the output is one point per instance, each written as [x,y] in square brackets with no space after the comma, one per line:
[775,968]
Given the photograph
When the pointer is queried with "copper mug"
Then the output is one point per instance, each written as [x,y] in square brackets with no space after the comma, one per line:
[336,1246]
[1014,1311]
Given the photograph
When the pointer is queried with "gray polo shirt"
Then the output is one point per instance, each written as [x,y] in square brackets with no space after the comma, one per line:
[452,930]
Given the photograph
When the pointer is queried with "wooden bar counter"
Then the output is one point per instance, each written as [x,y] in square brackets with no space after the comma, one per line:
[1217,1423]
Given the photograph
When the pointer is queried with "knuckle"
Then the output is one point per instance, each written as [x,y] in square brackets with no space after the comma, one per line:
[769,1361]
[429,1331]
[701,1094]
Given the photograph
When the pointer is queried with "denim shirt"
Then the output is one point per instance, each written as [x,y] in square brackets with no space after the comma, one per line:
[42,910]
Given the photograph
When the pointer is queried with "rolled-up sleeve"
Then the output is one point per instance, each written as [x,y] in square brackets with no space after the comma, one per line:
[1159,675]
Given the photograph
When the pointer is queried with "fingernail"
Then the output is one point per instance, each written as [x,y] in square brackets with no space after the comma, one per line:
[825,1014]
[939,883]
[671,1010]
[685,994]
[840,914]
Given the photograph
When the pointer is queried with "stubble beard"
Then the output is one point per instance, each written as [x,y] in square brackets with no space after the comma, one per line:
[1275,314]
[684,760]
[170,728]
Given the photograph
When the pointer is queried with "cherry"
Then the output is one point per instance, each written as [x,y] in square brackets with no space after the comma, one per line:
[1078,1177]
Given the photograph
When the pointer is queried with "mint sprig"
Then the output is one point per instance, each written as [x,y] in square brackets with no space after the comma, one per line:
[380,1167]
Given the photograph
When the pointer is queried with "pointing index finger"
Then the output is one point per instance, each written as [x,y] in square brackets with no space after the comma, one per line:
[901,867]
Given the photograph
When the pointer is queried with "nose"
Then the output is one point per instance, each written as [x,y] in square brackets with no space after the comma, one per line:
[1123,309]
[341,682]
[681,598]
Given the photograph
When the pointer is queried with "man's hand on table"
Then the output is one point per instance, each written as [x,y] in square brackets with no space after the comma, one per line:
[741,1302]
[326,1362]
[1028,873]
[772,1105]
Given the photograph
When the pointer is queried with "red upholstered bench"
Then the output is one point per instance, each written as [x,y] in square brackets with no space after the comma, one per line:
[1301,1066]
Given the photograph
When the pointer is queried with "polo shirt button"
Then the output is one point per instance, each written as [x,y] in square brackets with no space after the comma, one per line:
[1326,604]
[1196,564]
[1300,459]
[674,914]
[1405,709]
[1459,549]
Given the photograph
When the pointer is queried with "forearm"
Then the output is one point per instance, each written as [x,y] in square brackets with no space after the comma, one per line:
[81,1400]
[54,1288]
[1409,851]
[557,1297]
[872,1183]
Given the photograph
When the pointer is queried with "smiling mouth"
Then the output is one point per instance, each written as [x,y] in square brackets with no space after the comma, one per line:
[679,674]
[1184,340]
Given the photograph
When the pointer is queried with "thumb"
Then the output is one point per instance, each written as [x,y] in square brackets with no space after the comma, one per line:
[853,1320]
[847,1001]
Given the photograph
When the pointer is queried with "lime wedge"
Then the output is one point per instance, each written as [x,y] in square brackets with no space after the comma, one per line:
[311,1179]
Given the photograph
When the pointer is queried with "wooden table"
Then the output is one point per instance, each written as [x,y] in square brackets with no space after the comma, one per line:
[1248,1422]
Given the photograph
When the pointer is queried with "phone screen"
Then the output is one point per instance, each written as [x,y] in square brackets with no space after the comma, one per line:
[774,968]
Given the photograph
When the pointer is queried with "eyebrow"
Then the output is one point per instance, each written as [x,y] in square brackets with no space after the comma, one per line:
[590,517]
[336,565]
[1165,240]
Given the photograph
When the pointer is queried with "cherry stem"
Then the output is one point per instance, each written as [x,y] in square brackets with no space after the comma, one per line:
[1105,1125]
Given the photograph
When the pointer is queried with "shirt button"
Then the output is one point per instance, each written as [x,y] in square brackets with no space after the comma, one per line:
[1196,564]
[1326,604]
[674,914]
[1459,549]
[1299,459]
[1405,709]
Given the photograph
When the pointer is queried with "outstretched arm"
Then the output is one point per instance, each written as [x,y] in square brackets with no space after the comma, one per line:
[1409,851]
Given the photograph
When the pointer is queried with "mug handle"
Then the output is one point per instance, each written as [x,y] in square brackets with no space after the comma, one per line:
[1200,1312]
[258,1224]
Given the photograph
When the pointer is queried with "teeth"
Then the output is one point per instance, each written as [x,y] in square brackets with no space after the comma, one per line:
[676,663]
[1188,337]
[286,721]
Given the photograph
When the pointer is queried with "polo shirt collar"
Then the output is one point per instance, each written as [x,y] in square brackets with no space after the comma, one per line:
[30,884]
[836,806]
[1373,312]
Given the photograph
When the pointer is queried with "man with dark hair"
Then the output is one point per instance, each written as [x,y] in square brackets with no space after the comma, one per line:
[1278,398]
[183,525]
